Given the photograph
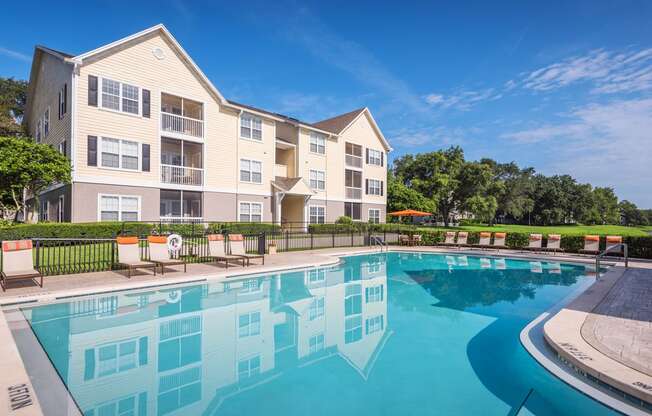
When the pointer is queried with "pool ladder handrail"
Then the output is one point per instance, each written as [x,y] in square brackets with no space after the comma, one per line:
[377,241]
[608,249]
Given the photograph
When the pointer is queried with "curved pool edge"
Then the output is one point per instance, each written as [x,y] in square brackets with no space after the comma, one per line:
[535,342]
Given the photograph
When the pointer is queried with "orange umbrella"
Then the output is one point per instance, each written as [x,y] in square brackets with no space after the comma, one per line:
[409,213]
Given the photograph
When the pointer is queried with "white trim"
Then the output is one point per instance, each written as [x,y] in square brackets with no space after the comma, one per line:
[251,204]
[310,215]
[383,140]
[250,171]
[119,196]
[251,128]
[369,214]
[310,171]
[318,136]
[100,98]
[120,168]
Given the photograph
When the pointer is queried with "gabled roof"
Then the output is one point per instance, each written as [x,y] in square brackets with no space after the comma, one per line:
[338,123]
[292,186]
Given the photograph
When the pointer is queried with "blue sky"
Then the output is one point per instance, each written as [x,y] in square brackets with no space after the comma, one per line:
[565,87]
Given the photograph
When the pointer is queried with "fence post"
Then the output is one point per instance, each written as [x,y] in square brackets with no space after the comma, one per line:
[351,238]
[287,240]
[333,238]
[112,254]
[312,243]
[261,243]
[38,255]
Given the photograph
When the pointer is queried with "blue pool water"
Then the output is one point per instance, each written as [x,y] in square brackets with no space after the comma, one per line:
[382,334]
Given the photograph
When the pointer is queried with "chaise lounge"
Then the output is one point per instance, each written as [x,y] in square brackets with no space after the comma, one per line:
[160,254]
[237,248]
[18,263]
[129,255]
[217,250]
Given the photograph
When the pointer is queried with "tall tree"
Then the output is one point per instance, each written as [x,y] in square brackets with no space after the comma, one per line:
[400,197]
[13,97]
[27,167]
[630,214]
[605,206]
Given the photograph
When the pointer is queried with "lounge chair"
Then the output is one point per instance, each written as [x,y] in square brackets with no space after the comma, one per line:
[485,240]
[462,238]
[449,238]
[129,255]
[416,240]
[591,244]
[237,248]
[554,243]
[404,240]
[217,250]
[534,242]
[160,254]
[613,244]
[499,241]
[18,263]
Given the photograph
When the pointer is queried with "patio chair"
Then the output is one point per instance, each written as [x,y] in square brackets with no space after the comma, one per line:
[160,254]
[462,238]
[18,263]
[554,243]
[499,241]
[416,240]
[534,242]
[485,240]
[237,248]
[404,240]
[449,238]
[129,255]
[217,250]
[613,242]
[591,244]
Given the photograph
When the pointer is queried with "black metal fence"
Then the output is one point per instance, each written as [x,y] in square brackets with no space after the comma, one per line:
[57,256]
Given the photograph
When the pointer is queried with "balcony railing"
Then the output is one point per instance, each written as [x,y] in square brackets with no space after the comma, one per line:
[182,175]
[182,125]
[353,193]
[281,170]
[353,161]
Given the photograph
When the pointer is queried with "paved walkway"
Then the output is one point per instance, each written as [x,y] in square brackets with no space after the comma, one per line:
[621,325]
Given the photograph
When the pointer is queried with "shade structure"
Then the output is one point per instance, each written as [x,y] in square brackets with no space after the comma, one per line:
[410,213]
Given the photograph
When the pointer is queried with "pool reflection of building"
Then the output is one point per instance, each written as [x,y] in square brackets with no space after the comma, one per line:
[186,351]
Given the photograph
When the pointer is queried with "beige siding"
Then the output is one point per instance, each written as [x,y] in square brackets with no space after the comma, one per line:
[52,75]
[309,160]
[263,151]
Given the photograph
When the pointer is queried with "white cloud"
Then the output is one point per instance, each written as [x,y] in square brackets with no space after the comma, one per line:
[15,55]
[603,144]
[607,71]
[462,100]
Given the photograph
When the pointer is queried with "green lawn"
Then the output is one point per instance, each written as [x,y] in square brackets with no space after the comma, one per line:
[563,229]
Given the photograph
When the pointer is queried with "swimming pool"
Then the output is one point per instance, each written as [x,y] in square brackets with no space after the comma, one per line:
[386,334]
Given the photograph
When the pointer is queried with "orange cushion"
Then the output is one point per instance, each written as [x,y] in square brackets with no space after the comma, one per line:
[554,237]
[157,239]
[236,237]
[592,238]
[535,237]
[16,245]
[500,235]
[614,239]
[215,237]
[127,240]
[485,235]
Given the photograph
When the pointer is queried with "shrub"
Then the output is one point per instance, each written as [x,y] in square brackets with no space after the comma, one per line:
[344,220]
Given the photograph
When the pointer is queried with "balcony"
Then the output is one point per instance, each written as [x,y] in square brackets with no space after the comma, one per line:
[353,161]
[353,193]
[281,170]
[353,155]
[182,116]
[182,175]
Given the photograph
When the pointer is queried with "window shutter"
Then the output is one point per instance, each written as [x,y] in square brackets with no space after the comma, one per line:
[382,158]
[65,99]
[382,186]
[366,186]
[367,155]
[142,404]
[92,90]
[146,105]
[89,364]
[142,351]
[146,158]
[92,151]
[59,102]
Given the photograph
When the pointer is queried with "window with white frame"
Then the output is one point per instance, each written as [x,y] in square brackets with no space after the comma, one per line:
[62,147]
[120,97]
[46,122]
[119,154]
[119,208]
[125,406]
[353,300]
[374,294]
[179,342]
[317,214]
[44,212]
[62,102]
[251,171]
[251,212]
[251,127]
[316,309]
[317,179]
[374,215]
[375,157]
[316,343]
[117,357]
[38,131]
[248,324]
[316,275]
[317,143]
[248,367]
[375,187]
[250,286]
[177,390]
[352,329]
[374,324]
[60,209]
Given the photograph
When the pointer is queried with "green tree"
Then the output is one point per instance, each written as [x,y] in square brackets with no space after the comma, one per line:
[27,168]
[401,197]
[13,97]
[605,206]
[630,214]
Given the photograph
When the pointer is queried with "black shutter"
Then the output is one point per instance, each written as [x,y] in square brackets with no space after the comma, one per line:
[65,99]
[92,90]
[367,155]
[382,186]
[146,158]
[59,105]
[92,151]
[146,103]
[142,351]
[89,364]
[382,158]
[366,186]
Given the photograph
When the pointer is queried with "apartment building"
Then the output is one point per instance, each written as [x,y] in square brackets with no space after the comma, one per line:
[151,138]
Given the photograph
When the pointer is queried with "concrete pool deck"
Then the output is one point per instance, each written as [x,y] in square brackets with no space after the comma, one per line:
[610,322]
